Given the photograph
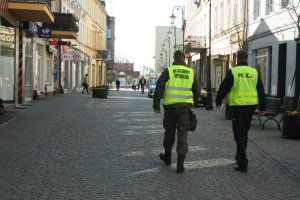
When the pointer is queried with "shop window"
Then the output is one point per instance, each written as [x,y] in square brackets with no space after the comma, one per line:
[48,72]
[263,64]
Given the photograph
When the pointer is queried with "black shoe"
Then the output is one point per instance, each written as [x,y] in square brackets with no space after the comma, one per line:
[166,157]
[241,169]
[180,161]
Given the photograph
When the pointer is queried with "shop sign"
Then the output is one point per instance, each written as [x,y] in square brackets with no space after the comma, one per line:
[7,38]
[73,56]
[45,31]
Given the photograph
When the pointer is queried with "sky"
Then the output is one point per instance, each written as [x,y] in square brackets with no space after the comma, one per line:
[135,22]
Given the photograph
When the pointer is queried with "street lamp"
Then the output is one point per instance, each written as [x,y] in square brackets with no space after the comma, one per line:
[209,105]
[173,26]
[161,55]
[163,45]
[173,17]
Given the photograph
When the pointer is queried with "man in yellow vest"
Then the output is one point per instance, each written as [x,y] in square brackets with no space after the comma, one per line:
[245,91]
[179,86]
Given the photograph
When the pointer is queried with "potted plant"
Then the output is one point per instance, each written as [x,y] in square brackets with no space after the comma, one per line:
[100,91]
[291,124]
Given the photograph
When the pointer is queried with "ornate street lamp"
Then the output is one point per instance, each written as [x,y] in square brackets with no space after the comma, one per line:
[161,55]
[174,27]
[163,46]
[173,17]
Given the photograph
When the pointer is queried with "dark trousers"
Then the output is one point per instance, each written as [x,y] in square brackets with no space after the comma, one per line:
[176,119]
[85,87]
[143,88]
[241,120]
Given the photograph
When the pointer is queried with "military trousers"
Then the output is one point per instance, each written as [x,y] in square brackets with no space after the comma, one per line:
[241,120]
[176,120]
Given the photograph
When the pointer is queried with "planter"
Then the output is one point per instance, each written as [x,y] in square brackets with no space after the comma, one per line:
[100,93]
[291,126]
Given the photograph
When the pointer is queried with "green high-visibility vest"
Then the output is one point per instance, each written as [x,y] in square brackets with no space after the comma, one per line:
[243,91]
[179,86]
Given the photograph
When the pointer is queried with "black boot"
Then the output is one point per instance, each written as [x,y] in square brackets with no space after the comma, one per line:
[180,161]
[166,157]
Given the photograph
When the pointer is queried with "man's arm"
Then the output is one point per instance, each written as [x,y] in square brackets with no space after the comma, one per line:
[261,94]
[224,89]
[195,90]
[159,90]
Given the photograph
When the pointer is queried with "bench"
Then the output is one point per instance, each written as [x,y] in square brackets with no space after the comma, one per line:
[272,110]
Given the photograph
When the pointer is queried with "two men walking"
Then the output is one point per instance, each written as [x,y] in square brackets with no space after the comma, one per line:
[243,87]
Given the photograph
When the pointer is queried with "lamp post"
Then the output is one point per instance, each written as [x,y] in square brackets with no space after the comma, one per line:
[170,35]
[209,105]
[173,17]
[163,45]
[161,54]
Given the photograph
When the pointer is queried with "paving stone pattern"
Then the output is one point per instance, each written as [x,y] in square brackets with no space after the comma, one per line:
[76,147]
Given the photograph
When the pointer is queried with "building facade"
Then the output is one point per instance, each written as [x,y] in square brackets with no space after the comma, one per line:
[268,30]
[47,43]
[25,60]
[273,45]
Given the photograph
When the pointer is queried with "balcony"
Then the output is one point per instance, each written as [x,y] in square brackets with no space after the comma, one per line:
[31,10]
[196,44]
[65,26]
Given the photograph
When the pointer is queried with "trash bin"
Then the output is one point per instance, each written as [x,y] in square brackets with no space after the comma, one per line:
[291,126]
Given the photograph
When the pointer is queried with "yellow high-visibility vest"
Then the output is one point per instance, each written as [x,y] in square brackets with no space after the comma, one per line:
[179,86]
[243,91]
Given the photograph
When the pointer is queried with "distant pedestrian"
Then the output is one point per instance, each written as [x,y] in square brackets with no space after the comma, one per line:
[245,91]
[118,84]
[142,83]
[85,84]
[179,85]
[133,85]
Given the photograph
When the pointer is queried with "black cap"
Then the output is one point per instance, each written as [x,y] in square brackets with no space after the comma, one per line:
[179,52]
[242,55]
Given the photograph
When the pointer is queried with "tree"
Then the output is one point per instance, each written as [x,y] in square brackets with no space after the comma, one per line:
[111,76]
[129,79]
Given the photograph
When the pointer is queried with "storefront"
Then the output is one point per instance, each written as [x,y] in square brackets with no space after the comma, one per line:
[263,64]
[7,61]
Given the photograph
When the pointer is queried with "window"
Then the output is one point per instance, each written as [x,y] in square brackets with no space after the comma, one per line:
[284,3]
[263,64]
[222,17]
[269,6]
[228,20]
[256,10]
[108,33]
[48,71]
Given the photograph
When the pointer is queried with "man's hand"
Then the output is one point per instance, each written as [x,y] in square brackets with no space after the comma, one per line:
[157,110]
[261,112]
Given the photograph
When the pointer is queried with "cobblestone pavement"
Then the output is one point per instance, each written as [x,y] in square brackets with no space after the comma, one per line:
[76,147]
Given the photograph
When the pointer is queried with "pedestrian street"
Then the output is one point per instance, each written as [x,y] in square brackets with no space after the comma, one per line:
[73,146]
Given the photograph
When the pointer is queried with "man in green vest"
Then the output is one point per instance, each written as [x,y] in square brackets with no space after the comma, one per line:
[245,91]
[179,86]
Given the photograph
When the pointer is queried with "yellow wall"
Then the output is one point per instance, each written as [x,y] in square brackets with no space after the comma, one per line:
[95,31]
